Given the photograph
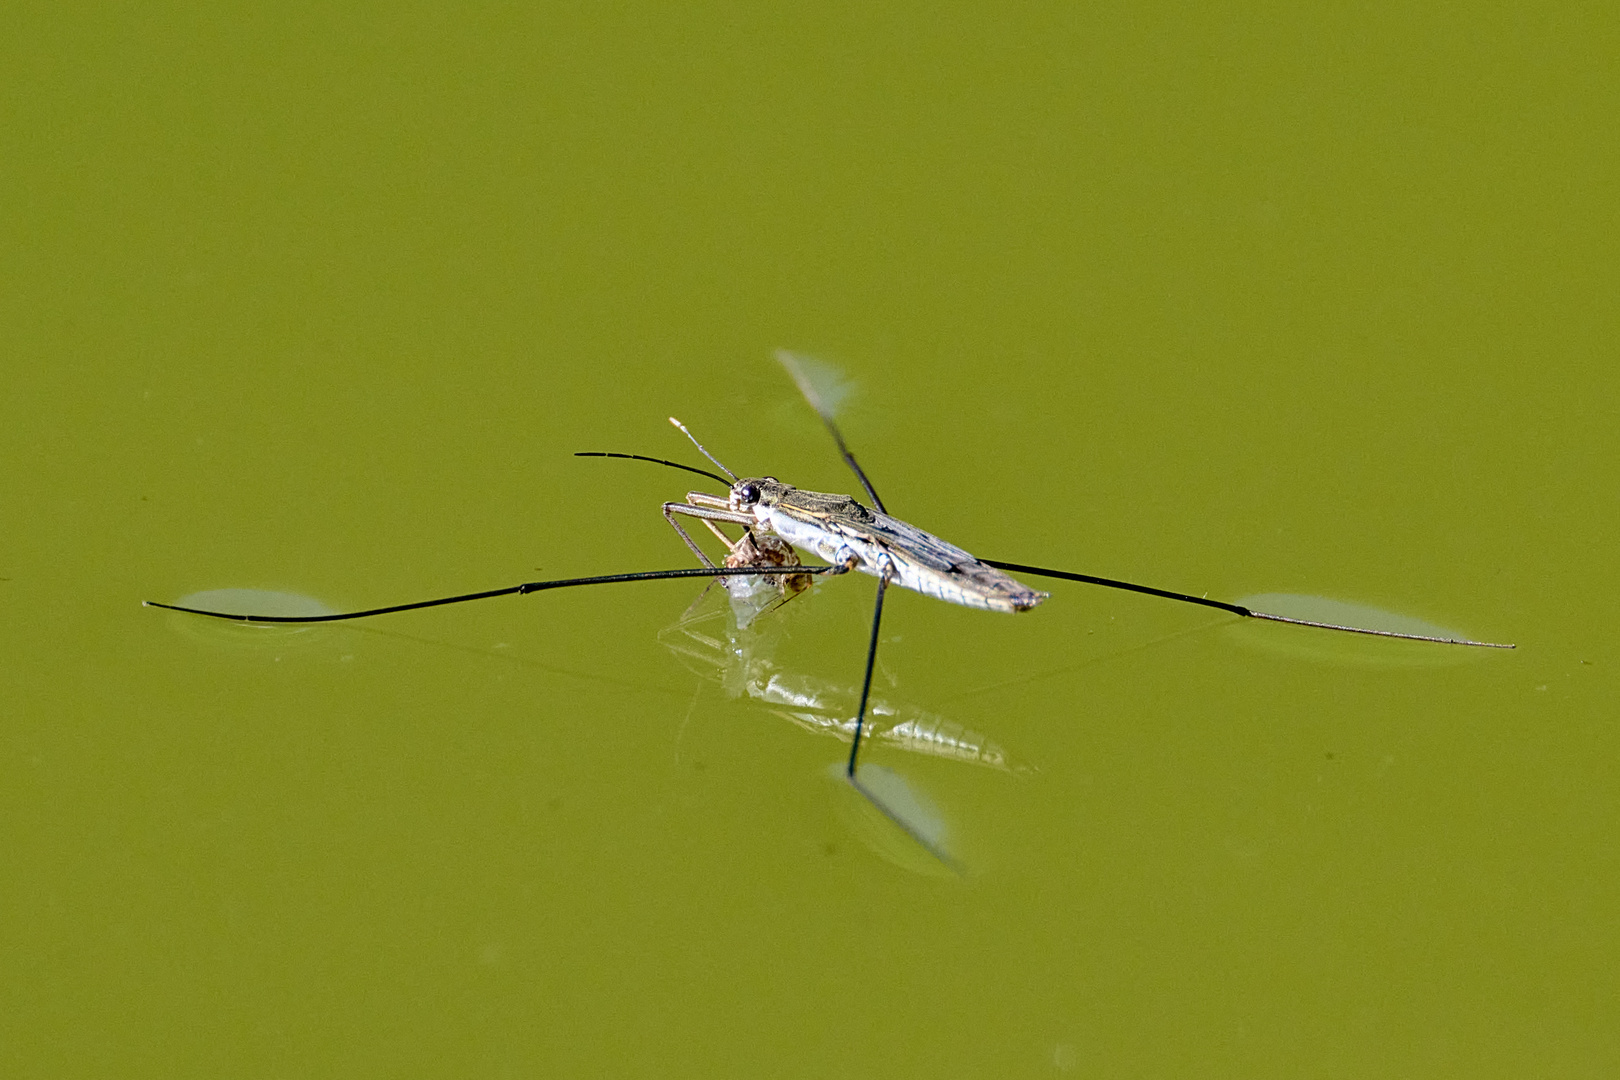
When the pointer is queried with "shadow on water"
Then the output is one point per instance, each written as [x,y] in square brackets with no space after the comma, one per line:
[1352,650]
[909,847]
[251,636]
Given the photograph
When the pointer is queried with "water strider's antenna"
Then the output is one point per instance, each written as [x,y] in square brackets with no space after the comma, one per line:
[702,451]
[656,461]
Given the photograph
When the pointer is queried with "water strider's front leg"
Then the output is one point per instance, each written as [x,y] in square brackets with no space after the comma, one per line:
[706,514]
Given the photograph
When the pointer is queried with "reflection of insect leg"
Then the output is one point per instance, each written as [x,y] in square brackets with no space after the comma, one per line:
[756,547]
[709,509]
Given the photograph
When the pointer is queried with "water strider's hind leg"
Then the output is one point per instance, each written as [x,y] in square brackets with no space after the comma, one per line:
[866,682]
[860,725]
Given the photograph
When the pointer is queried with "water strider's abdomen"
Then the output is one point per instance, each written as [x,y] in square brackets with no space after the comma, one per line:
[918,560]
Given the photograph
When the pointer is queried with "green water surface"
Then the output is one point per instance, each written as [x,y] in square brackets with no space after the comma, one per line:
[1244,300]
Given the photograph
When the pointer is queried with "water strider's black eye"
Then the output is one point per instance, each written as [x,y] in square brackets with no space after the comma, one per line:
[748,494]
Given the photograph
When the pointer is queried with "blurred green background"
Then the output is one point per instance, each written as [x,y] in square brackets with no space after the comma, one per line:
[1237,299]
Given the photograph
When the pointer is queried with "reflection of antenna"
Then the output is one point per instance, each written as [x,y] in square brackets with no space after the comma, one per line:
[702,451]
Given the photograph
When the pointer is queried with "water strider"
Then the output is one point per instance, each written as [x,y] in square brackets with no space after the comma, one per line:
[778,520]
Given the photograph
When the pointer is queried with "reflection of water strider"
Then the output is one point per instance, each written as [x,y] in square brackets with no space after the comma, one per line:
[726,644]
[777,518]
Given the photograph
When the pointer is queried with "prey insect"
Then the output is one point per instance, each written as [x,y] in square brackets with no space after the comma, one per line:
[778,521]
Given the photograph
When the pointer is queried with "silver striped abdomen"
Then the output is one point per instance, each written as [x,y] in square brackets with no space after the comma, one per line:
[917,560]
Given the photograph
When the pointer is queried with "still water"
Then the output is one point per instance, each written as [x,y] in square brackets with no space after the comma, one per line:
[314,310]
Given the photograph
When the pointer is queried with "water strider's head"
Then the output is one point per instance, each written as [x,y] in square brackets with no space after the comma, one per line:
[756,495]
[753,494]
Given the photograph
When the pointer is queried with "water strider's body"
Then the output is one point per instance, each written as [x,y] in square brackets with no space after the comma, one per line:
[851,536]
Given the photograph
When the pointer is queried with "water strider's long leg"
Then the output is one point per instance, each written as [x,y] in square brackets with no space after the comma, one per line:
[866,682]
[791,363]
[1235,609]
[669,516]
[860,726]
[512,590]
